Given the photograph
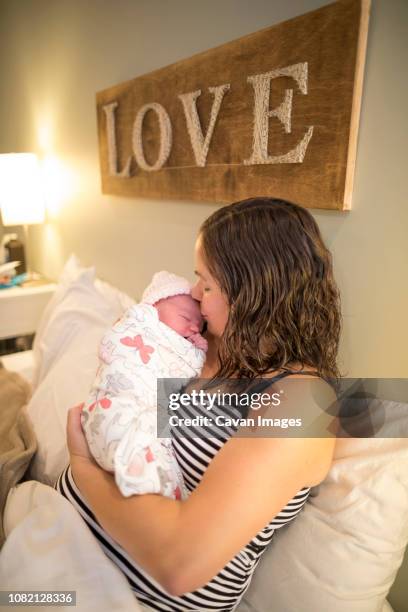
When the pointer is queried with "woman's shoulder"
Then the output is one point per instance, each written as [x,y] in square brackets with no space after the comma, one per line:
[303,386]
[309,401]
[306,379]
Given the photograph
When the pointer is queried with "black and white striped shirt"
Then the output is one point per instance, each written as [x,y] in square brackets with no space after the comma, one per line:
[223,592]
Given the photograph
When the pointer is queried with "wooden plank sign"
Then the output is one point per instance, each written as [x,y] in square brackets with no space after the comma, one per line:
[274,113]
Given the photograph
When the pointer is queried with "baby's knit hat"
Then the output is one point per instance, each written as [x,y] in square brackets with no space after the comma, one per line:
[164,285]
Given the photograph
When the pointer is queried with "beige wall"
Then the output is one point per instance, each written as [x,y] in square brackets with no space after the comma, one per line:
[54,56]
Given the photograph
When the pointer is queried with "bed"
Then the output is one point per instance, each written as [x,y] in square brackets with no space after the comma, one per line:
[341,554]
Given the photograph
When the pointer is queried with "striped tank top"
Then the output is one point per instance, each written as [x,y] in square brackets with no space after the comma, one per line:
[223,592]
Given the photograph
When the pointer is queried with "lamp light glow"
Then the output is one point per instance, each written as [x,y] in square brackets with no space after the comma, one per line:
[21,197]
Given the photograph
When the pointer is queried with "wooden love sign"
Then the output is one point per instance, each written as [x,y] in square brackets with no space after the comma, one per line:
[274,113]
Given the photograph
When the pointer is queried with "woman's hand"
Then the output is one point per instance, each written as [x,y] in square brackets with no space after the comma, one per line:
[77,444]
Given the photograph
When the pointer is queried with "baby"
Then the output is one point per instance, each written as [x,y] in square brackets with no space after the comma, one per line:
[158,338]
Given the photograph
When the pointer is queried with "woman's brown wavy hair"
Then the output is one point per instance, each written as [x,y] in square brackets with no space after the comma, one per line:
[270,261]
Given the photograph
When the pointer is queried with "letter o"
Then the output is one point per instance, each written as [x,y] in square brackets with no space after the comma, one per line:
[165,137]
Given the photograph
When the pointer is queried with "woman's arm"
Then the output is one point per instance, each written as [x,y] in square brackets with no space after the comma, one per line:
[137,523]
[184,544]
[144,525]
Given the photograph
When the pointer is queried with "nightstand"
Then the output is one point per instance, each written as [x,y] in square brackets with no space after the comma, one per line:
[21,307]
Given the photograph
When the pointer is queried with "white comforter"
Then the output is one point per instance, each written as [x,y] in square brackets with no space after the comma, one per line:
[49,547]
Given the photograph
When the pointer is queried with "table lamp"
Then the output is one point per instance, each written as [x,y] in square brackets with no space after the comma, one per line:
[21,197]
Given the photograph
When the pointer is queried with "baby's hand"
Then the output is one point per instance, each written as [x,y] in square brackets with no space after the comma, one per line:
[198,341]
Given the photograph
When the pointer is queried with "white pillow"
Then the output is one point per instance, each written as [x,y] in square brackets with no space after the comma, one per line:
[66,360]
[343,551]
[70,273]
[78,293]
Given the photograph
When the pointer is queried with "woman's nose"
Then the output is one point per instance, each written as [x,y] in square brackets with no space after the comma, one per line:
[196,293]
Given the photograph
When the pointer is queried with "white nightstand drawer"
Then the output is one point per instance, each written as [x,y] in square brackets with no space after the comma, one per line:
[21,309]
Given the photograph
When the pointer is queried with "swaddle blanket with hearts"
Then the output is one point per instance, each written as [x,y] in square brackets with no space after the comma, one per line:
[119,417]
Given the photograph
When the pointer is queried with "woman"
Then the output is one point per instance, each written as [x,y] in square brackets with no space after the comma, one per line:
[266,290]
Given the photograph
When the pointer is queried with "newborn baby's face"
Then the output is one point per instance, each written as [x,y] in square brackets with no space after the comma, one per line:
[181,313]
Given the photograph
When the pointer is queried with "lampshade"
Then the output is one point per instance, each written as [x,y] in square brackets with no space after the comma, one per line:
[21,197]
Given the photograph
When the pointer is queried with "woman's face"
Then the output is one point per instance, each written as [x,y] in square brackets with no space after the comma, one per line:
[213,302]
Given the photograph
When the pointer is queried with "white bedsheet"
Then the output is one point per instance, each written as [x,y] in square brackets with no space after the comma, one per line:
[22,363]
[48,547]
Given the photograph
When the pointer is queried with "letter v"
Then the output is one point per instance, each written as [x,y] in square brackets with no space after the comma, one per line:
[200,144]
